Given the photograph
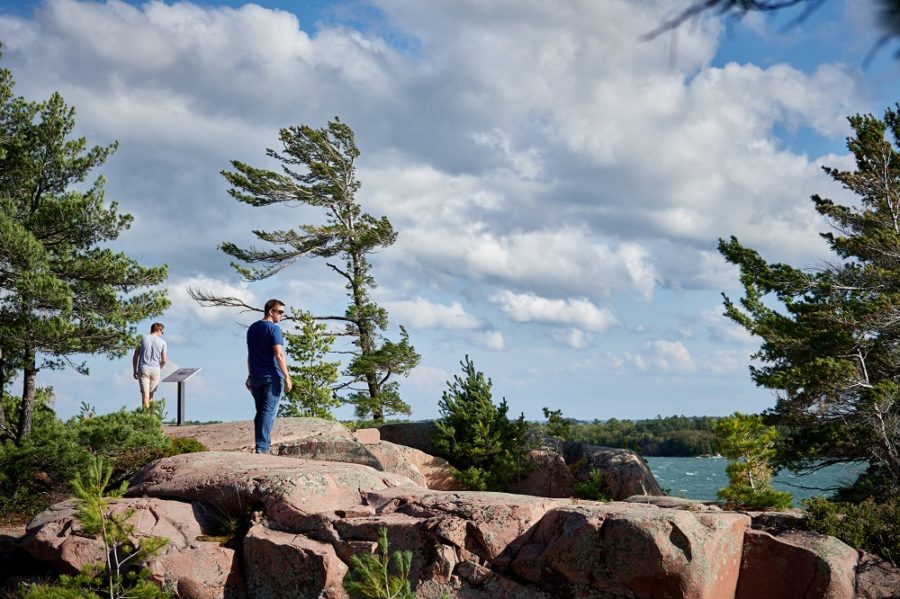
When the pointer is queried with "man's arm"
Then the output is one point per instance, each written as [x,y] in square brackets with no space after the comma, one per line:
[134,361]
[162,360]
[282,364]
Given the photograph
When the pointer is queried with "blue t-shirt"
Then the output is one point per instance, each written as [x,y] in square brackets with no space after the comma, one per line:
[262,337]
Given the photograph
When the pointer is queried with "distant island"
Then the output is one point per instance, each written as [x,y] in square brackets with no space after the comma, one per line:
[672,436]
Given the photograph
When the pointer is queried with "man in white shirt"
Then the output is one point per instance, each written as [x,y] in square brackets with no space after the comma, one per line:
[148,360]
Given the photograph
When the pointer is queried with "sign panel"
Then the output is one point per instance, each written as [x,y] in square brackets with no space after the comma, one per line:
[181,375]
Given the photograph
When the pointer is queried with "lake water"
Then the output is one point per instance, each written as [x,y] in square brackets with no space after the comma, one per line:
[701,478]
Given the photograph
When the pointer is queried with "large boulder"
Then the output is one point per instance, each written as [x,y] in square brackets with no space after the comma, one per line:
[418,435]
[796,565]
[421,468]
[623,472]
[548,475]
[634,550]
[289,491]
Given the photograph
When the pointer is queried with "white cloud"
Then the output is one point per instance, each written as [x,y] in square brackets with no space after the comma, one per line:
[670,355]
[185,308]
[490,339]
[421,313]
[574,338]
[580,313]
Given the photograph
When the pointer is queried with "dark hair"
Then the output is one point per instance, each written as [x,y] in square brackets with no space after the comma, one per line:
[272,304]
[156,326]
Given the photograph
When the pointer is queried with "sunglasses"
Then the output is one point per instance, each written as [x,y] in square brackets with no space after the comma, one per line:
[279,311]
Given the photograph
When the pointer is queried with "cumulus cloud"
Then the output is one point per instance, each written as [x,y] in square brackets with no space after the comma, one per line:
[574,338]
[580,313]
[670,355]
[421,313]
[185,308]
[489,339]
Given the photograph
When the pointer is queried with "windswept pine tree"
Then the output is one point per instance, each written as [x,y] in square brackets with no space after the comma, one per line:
[319,170]
[831,337]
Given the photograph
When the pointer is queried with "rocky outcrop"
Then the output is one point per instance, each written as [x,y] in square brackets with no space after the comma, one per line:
[299,522]
[549,471]
[623,472]
[548,475]
[326,440]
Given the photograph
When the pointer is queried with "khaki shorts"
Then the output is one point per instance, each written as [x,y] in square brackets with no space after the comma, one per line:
[148,380]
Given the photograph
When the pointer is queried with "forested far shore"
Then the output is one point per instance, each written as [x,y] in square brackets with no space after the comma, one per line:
[671,436]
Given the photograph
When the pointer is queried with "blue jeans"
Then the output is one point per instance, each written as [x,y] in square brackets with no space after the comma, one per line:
[266,392]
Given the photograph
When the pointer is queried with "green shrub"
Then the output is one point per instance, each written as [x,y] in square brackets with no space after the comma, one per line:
[593,488]
[38,473]
[869,525]
[476,436]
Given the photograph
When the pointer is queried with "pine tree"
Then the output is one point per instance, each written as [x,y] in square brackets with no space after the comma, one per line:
[314,378]
[750,447]
[830,337]
[63,292]
[318,170]
[475,435]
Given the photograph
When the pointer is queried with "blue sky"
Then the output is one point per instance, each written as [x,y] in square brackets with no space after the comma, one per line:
[558,185]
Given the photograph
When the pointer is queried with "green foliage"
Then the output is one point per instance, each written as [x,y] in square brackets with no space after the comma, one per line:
[123,574]
[370,575]
[829,337]
[869,525]
[318,170]
[556,426]
[750,446]
[64,292]
[36,473]
[314,378]
[476,436]
[670,436]
[593,487]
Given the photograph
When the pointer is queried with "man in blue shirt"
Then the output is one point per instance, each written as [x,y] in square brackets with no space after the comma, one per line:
[147,362]
[268,376]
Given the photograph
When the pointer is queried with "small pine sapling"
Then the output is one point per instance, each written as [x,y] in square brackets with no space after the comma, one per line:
[370,575]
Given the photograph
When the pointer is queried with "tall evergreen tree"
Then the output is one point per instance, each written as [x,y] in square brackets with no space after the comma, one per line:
[318,170]
[63,293]
[831,338]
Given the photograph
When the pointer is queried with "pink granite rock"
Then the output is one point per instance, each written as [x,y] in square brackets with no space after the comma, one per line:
[624,473]
[796,565]
[287,490]
[876,578]
[282,564]
[224,436]
[195,568]
[634,550]
[548,475]
[423,469]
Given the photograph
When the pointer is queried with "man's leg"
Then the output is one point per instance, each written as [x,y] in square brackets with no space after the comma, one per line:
[144,384]
[271,410]
[262,422]
[154,383]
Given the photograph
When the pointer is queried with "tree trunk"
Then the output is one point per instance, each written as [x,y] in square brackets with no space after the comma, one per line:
[26,410]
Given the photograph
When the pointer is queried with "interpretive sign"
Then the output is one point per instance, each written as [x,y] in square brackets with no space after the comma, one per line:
[180,376]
